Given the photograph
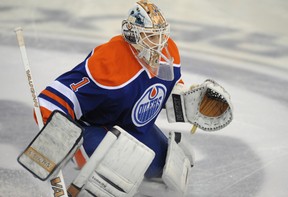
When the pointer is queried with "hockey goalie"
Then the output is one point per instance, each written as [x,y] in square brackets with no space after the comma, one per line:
[102,115]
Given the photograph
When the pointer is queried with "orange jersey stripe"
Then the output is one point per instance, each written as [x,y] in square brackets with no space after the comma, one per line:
[45,114]
[79,158]
[61,101]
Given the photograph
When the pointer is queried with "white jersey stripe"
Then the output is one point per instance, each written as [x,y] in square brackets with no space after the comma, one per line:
[48,105]
[70,95]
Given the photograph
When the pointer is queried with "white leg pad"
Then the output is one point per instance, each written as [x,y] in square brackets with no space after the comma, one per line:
[155,188]
[177,167]
[121,170]
[95,158]
[186,146]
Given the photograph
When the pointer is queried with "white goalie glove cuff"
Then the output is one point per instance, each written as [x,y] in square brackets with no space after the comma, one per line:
[175,106]
[207,106]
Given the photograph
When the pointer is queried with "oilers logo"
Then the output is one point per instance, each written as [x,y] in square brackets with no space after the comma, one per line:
[149,105]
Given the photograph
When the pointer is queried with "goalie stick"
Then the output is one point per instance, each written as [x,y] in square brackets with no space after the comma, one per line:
[57,185]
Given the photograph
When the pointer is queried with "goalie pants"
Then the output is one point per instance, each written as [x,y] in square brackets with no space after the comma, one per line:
[154,139]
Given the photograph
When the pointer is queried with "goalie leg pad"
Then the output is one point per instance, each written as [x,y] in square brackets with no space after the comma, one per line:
[121,170]
[54,145]
[155,187]
[186,146]
[177,167]
[96,157]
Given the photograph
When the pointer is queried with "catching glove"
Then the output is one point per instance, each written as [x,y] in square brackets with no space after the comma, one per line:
[207,106]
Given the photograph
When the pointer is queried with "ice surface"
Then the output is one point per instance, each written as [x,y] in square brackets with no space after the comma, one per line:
[242,45]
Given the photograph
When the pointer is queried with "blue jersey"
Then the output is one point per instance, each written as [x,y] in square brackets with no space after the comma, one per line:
[110,88]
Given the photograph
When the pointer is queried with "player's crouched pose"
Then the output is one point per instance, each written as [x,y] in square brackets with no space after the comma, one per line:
[115,96]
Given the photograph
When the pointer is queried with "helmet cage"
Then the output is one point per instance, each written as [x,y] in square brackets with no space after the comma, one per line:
[141,36]
[146,37]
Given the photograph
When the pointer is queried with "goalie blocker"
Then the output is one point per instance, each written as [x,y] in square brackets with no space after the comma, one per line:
[53,146]
[207,106]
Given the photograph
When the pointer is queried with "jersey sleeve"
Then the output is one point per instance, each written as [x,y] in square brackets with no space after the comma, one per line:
[73,93]
[91,88]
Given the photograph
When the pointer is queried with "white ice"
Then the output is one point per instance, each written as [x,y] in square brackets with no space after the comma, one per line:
[241,44]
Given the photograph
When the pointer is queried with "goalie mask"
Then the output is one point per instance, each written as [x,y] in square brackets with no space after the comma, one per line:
[147,31]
